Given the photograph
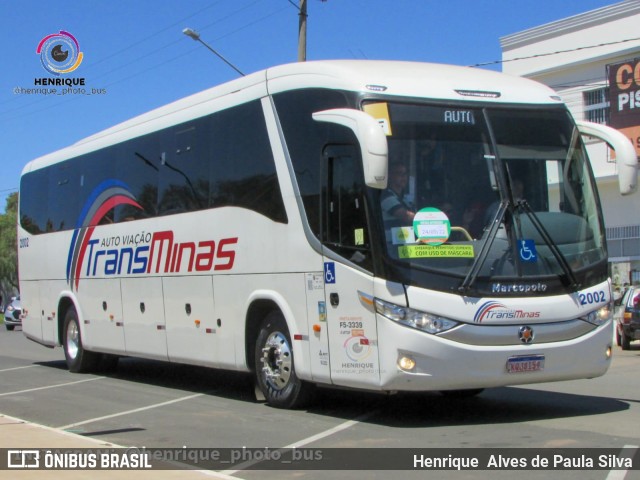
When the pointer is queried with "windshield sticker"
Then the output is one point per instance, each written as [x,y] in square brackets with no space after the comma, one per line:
[431,226]
[402,235]
[380,111]
[358,236]
[528,251]
[322,312]
[439,251]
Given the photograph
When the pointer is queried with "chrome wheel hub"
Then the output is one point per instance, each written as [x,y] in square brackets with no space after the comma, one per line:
[73,340]
[277,361]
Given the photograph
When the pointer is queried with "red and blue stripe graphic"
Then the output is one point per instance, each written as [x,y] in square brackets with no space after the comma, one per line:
[104,197]
[485,308]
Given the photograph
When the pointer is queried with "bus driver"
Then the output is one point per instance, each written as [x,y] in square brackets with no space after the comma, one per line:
[397,209]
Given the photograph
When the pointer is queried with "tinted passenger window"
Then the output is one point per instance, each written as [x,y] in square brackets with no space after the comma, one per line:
[93,169]
[243,171]
[64,183]
[33,201]
[138,165]
[184,169]
[223,159]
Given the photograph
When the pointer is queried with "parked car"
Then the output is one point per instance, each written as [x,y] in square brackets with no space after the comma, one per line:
[12,314]
[627,317]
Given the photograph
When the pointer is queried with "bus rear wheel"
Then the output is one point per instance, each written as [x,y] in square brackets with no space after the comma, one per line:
[274,365]
[78,359]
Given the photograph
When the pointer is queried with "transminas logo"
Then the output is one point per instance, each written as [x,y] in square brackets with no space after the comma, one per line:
[138,253]
[493,310]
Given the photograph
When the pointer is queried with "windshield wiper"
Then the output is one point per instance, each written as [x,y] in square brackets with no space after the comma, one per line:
[566,268]
[486,247]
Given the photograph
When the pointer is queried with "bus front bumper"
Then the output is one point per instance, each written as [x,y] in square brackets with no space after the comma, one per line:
[441,364]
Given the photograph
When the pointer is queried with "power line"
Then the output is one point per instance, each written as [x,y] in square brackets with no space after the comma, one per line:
[241,9]
[163,48]
[291,2]
[494,62]
[90,65]
[158,49]
[156,33]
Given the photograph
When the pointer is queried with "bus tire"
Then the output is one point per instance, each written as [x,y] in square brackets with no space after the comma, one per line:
[274,365]
[78,359]
[625,342]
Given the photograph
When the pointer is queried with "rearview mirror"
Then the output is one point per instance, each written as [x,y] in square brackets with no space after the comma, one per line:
[370,136]
[626,157]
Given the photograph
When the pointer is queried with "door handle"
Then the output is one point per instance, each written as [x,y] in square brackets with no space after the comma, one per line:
[334,299]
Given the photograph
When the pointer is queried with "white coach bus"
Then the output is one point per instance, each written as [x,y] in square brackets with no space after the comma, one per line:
[252,227]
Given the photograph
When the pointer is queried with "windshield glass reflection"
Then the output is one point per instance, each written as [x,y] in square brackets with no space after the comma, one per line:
[507,193]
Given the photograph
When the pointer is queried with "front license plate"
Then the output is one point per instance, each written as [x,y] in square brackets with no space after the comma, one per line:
[524,364]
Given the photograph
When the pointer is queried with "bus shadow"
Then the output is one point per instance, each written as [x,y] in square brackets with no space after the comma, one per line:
[405,410]
[57,364]
[188,378]
[502,405]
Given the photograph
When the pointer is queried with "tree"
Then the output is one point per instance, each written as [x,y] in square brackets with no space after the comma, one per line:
[9,249]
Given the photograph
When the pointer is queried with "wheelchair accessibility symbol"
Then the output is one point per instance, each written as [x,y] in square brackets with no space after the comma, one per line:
[528,251]
[329,272]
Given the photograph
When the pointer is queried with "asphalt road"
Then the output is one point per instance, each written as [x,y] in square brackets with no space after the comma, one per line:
[160,405]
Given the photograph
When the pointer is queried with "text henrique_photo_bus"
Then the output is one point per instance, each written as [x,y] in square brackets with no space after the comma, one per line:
[387,226]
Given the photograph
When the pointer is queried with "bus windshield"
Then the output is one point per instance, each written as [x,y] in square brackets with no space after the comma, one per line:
[454,172]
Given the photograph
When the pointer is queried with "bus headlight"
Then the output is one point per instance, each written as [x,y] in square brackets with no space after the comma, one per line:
[600,316]
[414,318]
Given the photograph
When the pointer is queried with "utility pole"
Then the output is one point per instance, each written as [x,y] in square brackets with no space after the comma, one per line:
[302,32]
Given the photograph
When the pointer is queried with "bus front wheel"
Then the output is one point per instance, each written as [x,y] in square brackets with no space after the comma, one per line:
[274,365]
[78,359]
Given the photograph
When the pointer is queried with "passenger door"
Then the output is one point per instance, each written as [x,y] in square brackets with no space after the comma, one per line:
[351,324]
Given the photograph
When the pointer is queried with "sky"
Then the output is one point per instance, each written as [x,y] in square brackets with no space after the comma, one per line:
[136,56]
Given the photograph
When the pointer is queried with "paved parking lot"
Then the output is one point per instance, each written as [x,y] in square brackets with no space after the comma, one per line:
[159,405]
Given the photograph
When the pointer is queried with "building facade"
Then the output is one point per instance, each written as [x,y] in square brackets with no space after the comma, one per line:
[573,55]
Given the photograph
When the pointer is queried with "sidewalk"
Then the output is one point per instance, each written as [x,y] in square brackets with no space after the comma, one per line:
[20,434]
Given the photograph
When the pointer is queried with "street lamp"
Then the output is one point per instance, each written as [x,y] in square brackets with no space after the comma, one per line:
[196,36]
